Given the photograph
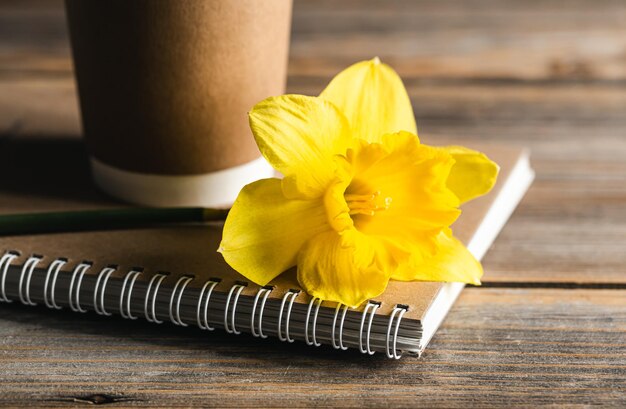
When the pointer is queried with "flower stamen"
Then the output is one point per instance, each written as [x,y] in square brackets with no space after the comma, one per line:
[367,204]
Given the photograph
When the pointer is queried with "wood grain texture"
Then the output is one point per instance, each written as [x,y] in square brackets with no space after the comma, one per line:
[497,347]
[445,39]
[465,39]
[541,73]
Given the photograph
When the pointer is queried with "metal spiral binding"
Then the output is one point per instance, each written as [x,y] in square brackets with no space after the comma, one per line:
[372,307]
[80,272]
[178,295]
[5,262]
[53,269]
[340,344]
[202,309]
[27,269]
[100,288]
[399,310]
[265,292]
[158,278]
[126,295]
[293,294]
[313,341]
[238,287]
[204,323]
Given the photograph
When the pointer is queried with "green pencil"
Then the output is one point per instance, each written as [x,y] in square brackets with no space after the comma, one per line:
[104,219]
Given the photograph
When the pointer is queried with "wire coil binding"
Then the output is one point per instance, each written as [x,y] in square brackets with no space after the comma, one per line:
[265,293]
[292,295]
[339,345]
[236,289]
[151,299]
[53,269]
[5,262]
[74,294]
[398,310]
[99,290]
[126,295]
[313,340]
[27,270]
[178,295]
[208,287]
[371,307]
[159,277]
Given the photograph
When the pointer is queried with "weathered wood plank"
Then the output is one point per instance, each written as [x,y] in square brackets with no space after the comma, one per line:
[443,39]
[496,347]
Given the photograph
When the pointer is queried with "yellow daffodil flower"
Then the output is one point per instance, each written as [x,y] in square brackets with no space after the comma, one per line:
[362,201]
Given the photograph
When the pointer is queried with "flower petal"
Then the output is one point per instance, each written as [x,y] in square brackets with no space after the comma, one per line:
[371,95]
[264,231]
[413,177]
[348,268]
[299,136]
[451,263]
[473,174]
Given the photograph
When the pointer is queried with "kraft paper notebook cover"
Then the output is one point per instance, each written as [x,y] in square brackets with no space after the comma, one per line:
[173,274]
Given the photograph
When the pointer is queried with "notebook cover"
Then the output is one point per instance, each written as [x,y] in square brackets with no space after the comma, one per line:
[45,175]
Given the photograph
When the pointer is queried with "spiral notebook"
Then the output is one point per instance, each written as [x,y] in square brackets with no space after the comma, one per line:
[173,275]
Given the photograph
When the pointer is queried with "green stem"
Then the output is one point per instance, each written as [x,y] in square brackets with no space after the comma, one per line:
[104,219]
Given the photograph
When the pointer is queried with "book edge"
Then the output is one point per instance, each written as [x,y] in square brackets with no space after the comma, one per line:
[492,224]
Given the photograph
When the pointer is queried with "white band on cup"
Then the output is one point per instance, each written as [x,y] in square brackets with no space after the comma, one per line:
[215,189]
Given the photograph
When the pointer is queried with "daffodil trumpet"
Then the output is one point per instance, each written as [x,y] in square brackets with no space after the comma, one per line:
[362,201]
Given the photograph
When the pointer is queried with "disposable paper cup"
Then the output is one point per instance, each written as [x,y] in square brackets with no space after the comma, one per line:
[165,87]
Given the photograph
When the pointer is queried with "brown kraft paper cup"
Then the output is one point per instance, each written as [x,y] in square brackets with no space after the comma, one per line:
[165,87]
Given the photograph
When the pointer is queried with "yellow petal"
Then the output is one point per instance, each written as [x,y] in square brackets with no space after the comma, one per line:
[348,268]
[412,179]
[264,231]
[371,95]
[473,174]
[299,136]
[451,263]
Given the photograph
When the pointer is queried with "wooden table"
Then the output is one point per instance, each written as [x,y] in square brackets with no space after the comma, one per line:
[547,327]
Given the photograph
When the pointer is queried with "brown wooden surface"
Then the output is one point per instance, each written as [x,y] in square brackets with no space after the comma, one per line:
[548,327]
[498,347]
